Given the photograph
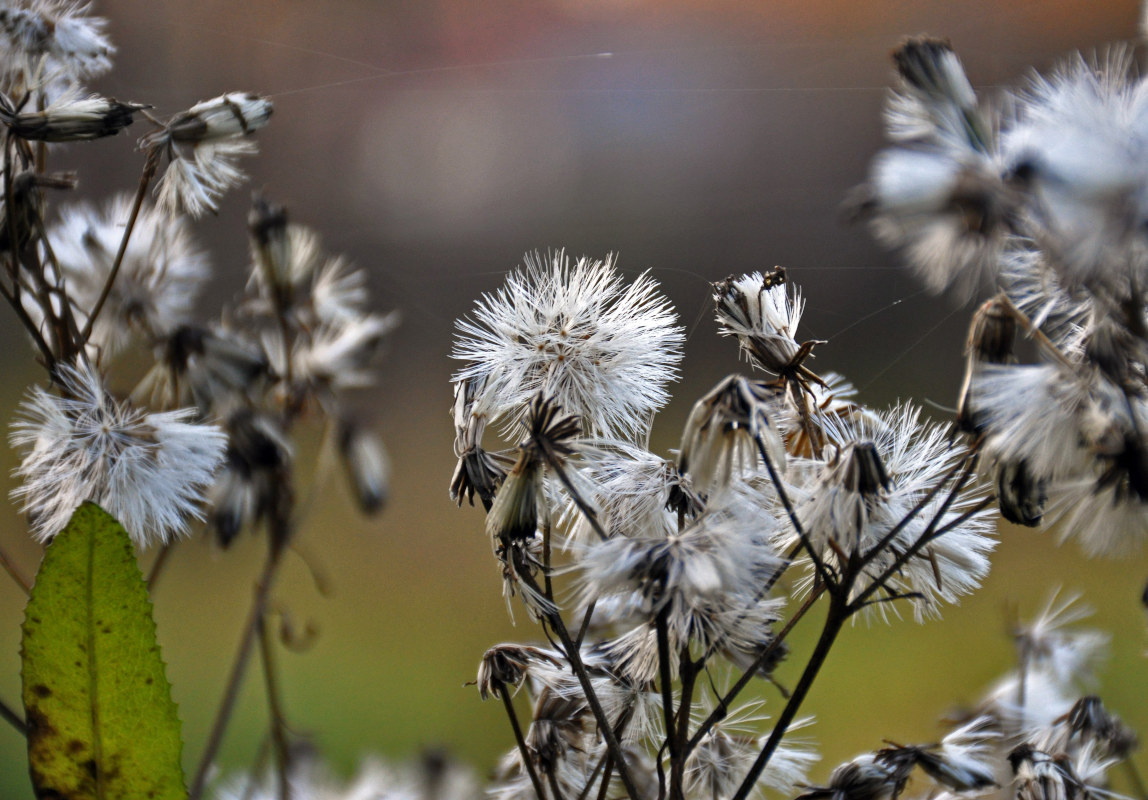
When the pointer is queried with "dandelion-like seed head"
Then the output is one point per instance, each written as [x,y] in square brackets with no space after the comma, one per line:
[603,350]
[149,471]
[51,38]
[158,282]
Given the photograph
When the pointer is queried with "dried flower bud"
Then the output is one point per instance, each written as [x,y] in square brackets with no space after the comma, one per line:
[367,466]
[1038,776]
[1021,494]
[931,67]
[725,430]
[763,316]
[863,778]
[993,332]
[70,119]
[270,245]
[254,482]
[225,117]
[506,665]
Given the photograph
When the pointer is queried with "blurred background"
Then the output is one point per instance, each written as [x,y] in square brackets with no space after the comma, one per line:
[434,143]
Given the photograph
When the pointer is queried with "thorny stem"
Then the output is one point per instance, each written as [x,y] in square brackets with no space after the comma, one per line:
[722,707]
[275,707]
[151,163]
[239,667]
[9,715]
[527,761]
[838,612]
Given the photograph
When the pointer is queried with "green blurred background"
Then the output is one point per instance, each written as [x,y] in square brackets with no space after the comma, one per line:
[435,142]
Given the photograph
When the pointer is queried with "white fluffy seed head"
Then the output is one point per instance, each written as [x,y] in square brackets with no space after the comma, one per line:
[600,348]
[149,471]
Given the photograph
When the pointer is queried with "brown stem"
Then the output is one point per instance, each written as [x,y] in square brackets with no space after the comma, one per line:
[818,564]
[151,163]
[10,567]
[605,787]
[527,761]
[681,731]
[661,623]
[834,620]
[158,565]
[275,706]
[13,718]
[239,667]
[722,707]
[604,727]
[554,789]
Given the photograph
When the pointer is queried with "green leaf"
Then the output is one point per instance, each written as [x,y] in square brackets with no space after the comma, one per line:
[101,721]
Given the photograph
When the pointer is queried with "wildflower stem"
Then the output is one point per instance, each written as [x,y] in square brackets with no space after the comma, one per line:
[158,565]
[554,789]
[527,761]
[681,732]
[722,707]
[579,669]
[555,464]
[929,535]
[9,715]
[967,463]
[593,776]
[839,611]
[13,248]
[586,617]
[819,565]
[609,769]
[275,707]
[10,567]
[665,679]
[239,667]
[151,163]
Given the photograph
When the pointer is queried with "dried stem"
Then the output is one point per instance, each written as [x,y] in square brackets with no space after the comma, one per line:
[158,565]
[279,741]
[239,667]
[14,571]
[527,761]
[666,681]
[818,564]
[834,620]
[151,163]
[579,669]
[13,718]
[722,707]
